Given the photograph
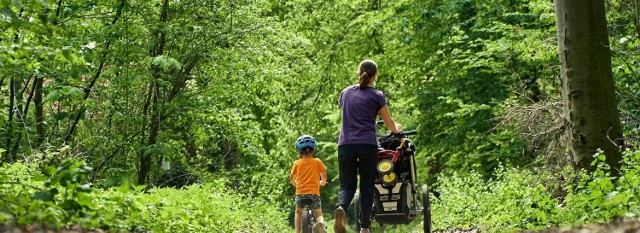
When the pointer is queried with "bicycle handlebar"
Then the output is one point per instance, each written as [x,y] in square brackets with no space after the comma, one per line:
[380,122]
[407,133]
[411,132]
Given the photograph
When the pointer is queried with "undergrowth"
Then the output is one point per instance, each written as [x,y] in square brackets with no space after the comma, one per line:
[60,197]
[526,199]
[520,199]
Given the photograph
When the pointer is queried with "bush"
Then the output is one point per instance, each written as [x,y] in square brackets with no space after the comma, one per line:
[60,197]
[534,199]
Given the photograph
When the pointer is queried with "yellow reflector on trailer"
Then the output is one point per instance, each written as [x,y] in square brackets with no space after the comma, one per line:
[385,166]
[389,179]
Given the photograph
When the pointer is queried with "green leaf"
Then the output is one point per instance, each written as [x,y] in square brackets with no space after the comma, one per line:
[43,3]
[43,195]
[87,168]
[6,11]
[84,200]
[71,204]
[173,62]
[87,188]
[140,187]
[66,52]
[76,92]
[160,61]
[39,177]
[53,96]
[4,216]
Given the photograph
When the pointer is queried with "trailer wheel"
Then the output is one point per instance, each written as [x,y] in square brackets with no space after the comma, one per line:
[358,211]
[426,211]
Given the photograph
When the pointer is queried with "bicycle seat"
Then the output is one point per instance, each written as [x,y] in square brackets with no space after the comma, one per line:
[306,201]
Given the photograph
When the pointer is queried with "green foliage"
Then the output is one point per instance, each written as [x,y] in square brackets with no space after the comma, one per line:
[61,197]
[207,208]
[224,88]
[533,199]
[461,60]
[624,41]
[56,196]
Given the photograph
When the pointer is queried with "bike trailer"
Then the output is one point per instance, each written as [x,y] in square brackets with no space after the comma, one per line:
[392,204]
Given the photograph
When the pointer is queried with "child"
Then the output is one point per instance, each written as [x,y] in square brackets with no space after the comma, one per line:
[307,175]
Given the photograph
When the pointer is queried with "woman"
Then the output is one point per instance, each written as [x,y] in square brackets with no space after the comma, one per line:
[357,146]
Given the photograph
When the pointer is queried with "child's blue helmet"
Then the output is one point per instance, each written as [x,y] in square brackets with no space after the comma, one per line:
[304,142]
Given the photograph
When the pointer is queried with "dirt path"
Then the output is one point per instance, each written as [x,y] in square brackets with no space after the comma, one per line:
[616,226]
[42,228]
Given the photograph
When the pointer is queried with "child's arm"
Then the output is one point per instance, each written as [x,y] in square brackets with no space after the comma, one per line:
[292,180]
[323,177]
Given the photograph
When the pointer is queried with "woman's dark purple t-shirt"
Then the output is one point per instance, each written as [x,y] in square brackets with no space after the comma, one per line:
[359,110]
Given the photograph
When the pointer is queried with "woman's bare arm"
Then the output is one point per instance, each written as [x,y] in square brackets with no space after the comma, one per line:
[388,121]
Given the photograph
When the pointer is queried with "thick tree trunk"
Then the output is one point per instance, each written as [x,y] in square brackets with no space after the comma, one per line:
[590,109]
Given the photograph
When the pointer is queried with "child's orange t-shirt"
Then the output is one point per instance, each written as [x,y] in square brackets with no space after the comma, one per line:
[306,173]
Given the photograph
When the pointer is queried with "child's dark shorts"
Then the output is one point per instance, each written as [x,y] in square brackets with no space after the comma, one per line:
[314,198]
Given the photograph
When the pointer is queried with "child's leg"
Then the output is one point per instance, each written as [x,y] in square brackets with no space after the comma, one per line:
[318,214]
[298,219]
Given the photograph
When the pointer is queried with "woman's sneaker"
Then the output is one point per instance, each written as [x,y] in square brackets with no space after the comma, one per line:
[320,228]
[339,216]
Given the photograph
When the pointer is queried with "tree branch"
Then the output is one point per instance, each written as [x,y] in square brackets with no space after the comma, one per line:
[87,90]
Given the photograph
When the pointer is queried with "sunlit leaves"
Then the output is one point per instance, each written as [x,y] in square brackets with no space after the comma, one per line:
[165,63]
[517,200]
[202,208]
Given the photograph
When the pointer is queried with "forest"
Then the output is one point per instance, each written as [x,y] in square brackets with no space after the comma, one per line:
[182,115]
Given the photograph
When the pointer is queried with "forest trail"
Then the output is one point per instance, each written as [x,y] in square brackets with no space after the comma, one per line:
[618,225]
[43,228]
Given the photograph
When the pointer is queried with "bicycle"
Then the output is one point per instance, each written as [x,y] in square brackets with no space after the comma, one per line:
[308,220]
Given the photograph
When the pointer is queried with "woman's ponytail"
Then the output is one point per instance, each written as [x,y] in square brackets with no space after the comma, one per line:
[367,70]
[364,80]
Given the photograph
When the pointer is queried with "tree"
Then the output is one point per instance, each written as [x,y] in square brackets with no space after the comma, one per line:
[590,110]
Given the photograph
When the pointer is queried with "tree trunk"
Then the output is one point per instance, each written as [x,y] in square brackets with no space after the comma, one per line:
[154,129]
[8,157]
[23,118]
[142,175]
[590,109]
[37,100]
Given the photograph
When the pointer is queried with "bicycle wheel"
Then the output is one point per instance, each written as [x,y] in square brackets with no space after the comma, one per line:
[307,224]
